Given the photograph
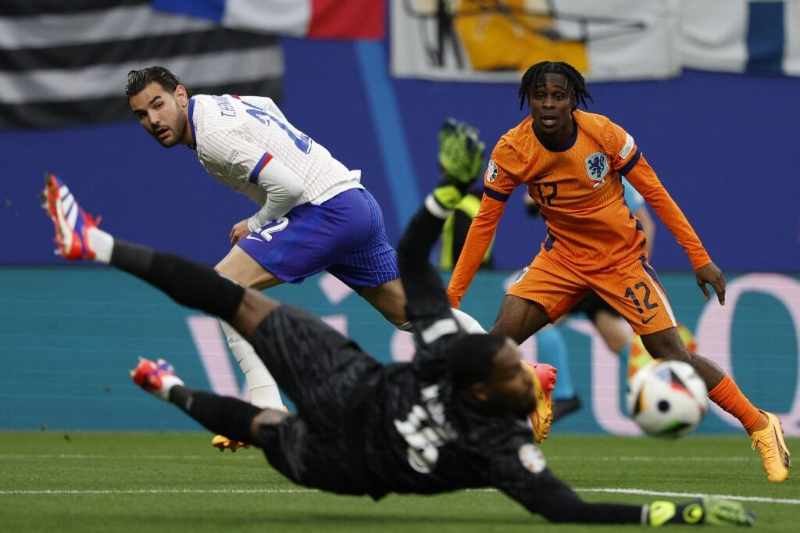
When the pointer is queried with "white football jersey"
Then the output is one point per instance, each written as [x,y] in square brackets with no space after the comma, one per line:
[236,136]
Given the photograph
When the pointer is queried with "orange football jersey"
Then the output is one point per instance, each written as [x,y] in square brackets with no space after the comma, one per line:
[579,192]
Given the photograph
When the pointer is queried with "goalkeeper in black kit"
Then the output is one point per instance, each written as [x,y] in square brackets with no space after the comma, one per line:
[453,418]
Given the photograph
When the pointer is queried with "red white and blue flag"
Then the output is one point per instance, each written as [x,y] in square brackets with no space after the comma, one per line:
[319,19]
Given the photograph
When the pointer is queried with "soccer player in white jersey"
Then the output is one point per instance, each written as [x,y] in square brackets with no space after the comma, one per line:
[313,214]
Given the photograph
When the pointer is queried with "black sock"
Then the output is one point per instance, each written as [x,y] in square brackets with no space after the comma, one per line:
[222,415]
[189,284]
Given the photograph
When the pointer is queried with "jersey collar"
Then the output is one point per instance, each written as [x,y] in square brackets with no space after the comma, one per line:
[570,142]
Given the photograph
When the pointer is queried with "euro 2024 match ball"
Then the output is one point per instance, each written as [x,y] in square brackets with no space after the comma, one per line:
[667,399]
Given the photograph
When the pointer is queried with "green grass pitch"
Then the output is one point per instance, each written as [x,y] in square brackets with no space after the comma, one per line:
[173,482]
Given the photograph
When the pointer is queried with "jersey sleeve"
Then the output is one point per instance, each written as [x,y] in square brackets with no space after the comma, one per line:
[643,177]
[284,188]
[500,177]
[621,147]
[499,182]
[234,152]
[519,470]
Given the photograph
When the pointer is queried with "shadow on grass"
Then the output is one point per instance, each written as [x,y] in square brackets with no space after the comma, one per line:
[370,520]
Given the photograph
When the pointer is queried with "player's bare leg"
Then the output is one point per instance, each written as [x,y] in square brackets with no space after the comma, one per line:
[389,299]
[244,270]
[764,428]
[614,330]
[519,319]
[240,268]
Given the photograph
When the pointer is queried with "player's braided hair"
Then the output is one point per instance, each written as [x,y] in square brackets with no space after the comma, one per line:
[139,79]
[470,359]
[534,76]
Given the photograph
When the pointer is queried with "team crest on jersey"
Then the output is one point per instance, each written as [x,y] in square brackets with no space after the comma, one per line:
[597,168]
[532,458]
[491,171]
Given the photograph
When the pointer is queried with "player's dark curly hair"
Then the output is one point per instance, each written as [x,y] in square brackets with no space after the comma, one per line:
[534,77]
[139,79]
[470,359]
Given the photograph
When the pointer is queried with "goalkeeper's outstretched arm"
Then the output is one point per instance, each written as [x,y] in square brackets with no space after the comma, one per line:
[460,157]
[550,497]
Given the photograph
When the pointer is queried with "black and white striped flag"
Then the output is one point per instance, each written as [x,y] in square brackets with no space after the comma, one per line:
[66,62]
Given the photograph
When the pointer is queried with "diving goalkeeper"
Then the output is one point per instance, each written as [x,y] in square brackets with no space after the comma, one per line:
[453,418]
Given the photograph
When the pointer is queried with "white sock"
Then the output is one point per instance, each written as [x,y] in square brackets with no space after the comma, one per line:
[102,243]
[467,322]
[167,382]
[263,390]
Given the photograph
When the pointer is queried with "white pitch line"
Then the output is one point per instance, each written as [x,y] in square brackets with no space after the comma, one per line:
[216,455]
[645,492]
[93,457]
[653,458]
[114,492]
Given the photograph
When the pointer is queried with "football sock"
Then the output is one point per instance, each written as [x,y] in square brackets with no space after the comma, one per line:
[728,396]
[190,284]
[552,349]
[222,415]
[101,243]
[263,390]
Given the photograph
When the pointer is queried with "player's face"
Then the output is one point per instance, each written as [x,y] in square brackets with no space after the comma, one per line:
[551,106]
[510,385]
[162,113]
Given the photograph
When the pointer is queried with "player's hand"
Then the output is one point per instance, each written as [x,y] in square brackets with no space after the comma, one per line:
[238,231]
[711,275]
[712,511]
[460,153]
[721,512]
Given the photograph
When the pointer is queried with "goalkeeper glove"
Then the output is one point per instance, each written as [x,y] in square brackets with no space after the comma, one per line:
[713,511]
[460,152]
[460,157]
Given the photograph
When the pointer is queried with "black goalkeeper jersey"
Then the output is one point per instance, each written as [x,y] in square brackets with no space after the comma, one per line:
[367,428]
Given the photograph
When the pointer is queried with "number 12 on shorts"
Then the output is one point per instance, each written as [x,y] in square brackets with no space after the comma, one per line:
[644,291]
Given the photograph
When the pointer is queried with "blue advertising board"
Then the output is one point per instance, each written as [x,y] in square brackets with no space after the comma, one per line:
[69,335]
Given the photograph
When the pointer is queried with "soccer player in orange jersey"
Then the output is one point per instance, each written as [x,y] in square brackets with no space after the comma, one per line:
[570,161]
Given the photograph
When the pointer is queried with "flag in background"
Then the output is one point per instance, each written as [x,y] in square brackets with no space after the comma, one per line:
[493,40]
[65,63]
[753,36]
[323,19]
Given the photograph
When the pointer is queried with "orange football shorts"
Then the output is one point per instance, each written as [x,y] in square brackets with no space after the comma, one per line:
[633,290]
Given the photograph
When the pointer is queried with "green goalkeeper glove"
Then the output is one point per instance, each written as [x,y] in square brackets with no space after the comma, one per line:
[712,511]
[460,152]
[460,157]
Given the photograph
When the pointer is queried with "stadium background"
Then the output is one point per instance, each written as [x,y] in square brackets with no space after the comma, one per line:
[723,144]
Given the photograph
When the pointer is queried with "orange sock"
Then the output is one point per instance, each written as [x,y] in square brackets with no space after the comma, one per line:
[728,396]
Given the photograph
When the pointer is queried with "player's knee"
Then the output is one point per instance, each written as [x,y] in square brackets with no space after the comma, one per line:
[519,319]
[266,418]
[667,346]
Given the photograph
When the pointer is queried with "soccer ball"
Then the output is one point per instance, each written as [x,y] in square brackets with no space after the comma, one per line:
[667,399]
